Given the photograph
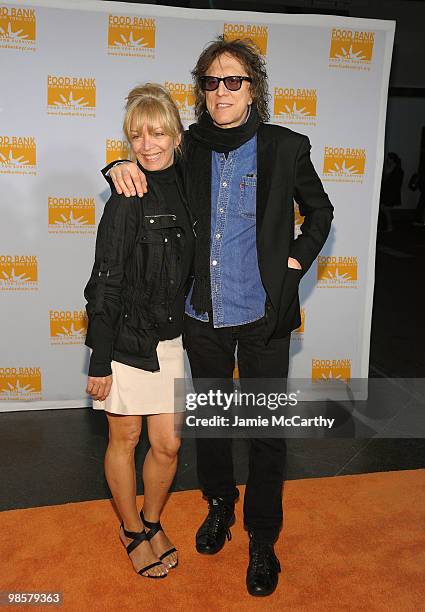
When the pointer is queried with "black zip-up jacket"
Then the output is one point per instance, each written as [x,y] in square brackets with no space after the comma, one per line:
[139,280]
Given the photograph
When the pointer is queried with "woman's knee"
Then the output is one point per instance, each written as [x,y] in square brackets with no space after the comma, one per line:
[126,436]
[166,446]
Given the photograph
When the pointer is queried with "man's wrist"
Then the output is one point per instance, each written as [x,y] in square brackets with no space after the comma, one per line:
[121,161]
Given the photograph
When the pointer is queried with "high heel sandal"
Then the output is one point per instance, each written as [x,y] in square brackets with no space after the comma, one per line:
[154,528]
[138,538]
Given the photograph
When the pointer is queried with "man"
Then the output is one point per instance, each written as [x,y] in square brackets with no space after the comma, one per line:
[241,179]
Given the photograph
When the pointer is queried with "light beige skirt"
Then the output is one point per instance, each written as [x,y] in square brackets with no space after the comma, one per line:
[139,392]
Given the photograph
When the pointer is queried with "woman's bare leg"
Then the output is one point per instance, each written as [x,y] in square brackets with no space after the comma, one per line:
[159,470]
[124,434]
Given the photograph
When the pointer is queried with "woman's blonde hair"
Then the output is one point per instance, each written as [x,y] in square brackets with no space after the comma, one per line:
[151,104]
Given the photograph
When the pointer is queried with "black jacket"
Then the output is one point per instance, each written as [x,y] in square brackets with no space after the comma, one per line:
[139,279]
[284,173]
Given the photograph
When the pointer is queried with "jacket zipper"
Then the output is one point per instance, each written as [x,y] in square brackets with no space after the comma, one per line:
[155,216]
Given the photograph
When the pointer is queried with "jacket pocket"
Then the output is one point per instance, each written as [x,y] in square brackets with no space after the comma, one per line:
[135,337]
[289,310]
[248,196]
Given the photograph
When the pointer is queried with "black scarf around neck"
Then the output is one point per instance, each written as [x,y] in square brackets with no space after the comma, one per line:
[224,140]
[207,137]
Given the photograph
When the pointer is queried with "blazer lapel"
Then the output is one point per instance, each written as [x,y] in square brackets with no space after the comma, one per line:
[265,159]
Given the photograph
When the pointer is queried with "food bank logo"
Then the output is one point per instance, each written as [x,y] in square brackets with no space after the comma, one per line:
[131,36]
[18,273]
[71,215]
[116,149]
[257,33]
[295,106]
[67,326]
[20,384]
[17,28]
[18,155]
[71,96]
[298,220]
[298,333]
[351,49]
[184,98]
[330,369]
[337,272]
[344,165]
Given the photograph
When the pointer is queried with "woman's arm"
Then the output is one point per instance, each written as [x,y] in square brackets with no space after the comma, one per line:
[114,243]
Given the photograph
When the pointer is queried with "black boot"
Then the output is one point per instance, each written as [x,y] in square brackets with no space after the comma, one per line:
[213,532]
[263,569]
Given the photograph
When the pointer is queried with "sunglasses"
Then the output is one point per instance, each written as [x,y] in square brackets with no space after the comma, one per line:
[232,83]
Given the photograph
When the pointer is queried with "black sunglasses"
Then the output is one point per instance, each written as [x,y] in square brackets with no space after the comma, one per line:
[232,83]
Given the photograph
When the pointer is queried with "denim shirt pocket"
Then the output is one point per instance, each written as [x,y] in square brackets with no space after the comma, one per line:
[248,196]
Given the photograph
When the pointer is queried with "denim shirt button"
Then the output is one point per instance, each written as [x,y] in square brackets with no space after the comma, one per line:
[214,262]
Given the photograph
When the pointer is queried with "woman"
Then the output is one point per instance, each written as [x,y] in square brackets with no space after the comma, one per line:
[135,300]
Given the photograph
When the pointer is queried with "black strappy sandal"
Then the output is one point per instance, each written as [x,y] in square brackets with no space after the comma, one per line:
[138,538]
[153,530]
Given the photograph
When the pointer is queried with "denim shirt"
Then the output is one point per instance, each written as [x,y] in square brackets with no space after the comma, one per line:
[238,295]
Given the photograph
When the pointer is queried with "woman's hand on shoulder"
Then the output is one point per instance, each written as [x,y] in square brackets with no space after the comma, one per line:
[99,387]
[128,179]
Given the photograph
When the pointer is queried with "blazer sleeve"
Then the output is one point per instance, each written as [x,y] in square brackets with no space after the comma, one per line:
[315,207]
[115,241]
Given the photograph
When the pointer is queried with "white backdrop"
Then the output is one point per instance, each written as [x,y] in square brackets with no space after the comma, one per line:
[66,71]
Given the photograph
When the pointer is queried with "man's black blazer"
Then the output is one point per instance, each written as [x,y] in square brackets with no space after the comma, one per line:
[284,174]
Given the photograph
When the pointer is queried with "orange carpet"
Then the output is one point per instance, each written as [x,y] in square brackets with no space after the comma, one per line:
[350,543]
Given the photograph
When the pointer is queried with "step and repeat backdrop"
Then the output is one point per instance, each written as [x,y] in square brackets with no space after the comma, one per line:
[65,74]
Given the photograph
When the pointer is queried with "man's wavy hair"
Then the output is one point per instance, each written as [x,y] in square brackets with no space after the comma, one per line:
[247,53]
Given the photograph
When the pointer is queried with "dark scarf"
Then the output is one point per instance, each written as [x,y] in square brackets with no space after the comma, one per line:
[206,138]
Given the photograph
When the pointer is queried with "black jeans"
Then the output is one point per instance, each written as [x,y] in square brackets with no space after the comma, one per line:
[211,354]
